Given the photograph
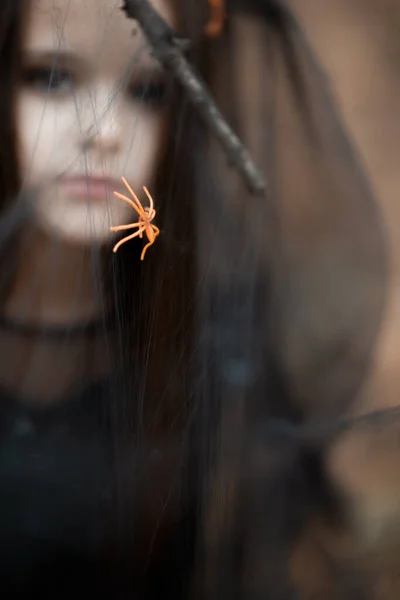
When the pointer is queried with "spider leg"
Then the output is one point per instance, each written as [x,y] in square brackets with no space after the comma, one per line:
[138,209]
[132,193]
[155,229]
[122,227]
[145,248]
[146,191]
[125,239]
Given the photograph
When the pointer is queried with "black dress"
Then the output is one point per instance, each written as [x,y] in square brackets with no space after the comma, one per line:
[69,523]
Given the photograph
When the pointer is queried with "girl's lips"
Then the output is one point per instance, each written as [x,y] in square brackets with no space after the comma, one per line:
[97,188]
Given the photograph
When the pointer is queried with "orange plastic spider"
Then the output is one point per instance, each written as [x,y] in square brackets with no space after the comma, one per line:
[217,17]
[144,224]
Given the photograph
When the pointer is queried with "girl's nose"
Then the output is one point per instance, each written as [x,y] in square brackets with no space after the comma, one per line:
[104,133]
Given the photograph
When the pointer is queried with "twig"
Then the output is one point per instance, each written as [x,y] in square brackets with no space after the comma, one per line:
[321,431]
[167,49]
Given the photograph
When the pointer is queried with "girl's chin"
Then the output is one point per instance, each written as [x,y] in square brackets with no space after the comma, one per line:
[78,225]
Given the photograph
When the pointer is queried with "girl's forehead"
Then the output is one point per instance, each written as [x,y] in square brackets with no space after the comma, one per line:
[89,28]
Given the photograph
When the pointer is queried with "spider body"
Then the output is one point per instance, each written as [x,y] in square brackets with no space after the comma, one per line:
[144,224]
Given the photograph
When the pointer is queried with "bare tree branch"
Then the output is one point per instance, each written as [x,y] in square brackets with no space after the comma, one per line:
[321,431]
[167,49]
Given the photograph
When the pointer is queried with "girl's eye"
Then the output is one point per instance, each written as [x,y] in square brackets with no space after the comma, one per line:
[151,94]
[49,80]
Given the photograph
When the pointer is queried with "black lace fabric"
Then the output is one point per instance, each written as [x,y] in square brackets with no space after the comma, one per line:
[293,313]
[72,473]
[56,455]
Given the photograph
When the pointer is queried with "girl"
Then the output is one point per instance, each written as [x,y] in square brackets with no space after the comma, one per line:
[92,345]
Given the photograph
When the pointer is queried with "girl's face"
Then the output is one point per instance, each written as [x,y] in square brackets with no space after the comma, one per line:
[90,108]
